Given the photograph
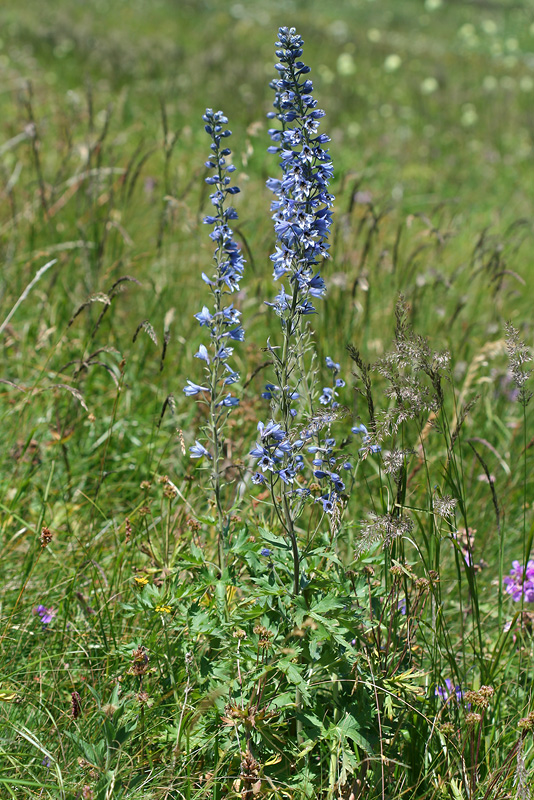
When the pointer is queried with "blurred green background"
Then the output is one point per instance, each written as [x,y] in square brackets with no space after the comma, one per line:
[426,100]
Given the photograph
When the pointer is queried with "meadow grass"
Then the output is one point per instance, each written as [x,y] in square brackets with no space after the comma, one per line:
[136,664]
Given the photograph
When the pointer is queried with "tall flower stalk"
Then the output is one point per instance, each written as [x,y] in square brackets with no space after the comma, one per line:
[302,218]
[222,320]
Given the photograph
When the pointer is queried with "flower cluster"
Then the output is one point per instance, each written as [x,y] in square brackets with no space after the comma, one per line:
[283,459]
[282,456]
[275,453]
[520,582]
[446,692]
[46,615]
[222,321]
[301,212]
[329,394]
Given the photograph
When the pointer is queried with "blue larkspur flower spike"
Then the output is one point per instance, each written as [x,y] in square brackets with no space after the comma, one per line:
[222,320]
[302,217]
[302,210]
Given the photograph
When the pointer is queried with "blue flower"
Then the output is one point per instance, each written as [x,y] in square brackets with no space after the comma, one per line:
[193,388]
[237,334]
[287,475]
[327,396]
[266,463]
[329,502]
[282,302]
[198,450]
[203,353]
[265,551]
[272,430]
[332,364]
[46,615]
[232,377]
[270,391]
[229,401]
[204,316]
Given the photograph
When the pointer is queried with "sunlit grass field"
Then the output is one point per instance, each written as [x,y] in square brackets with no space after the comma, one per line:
[134,664]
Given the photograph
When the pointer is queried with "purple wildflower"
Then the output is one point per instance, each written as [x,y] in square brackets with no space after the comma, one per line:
[46,615]
[448,691]
[520,582]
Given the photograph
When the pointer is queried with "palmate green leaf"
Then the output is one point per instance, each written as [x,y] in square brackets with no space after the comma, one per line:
[349,764]
[206,519]
[331,629]
[241,544]
[313,646]
[204,622]
[307,748]
[294,675]
[328,603]
[252,610]
[266,584]
[348,728]
[282,700]
[305,782]
[337,735]
[273,540]
[323,554]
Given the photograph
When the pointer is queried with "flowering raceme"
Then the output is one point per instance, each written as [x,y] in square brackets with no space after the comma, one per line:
[302,211]
[302,215]
[302,218]
[222,320]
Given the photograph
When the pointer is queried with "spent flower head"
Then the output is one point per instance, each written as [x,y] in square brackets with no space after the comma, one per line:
[518,355]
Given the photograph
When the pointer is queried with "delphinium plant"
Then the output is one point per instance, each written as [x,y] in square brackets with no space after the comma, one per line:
[222,320]
[300,461]
[302,215]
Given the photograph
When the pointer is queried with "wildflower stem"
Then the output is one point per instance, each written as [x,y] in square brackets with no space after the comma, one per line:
[294,543]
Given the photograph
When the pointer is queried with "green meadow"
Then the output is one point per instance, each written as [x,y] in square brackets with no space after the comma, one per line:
[159,638]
